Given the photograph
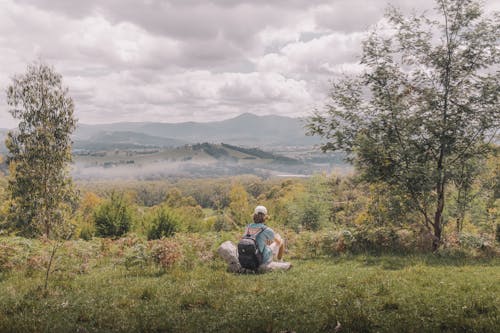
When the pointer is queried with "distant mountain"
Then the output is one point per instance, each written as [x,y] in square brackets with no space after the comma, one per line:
[246,129]
[122,140]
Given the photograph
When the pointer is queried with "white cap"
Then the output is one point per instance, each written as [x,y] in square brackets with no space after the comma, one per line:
[260,209]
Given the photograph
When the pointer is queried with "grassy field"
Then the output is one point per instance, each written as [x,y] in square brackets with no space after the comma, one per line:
[353,293]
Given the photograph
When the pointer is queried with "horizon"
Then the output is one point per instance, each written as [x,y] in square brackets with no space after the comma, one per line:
[180,122]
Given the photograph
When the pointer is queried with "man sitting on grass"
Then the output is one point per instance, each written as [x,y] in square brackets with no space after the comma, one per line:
[257,248]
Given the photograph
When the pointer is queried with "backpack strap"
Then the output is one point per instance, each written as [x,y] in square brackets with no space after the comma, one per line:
[255,234]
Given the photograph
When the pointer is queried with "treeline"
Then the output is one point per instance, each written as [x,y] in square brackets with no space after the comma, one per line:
[261,154]
[344,212]
[212,150]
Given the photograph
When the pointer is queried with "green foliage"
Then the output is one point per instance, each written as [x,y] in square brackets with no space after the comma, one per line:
[224,223]
[40,188]
[239,207]
[163,223]
[315,204]
[192,218]
[419,117]
[113,218]
[175,199]
[87,231]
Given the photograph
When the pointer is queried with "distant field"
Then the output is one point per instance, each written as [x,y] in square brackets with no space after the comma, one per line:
[93,291]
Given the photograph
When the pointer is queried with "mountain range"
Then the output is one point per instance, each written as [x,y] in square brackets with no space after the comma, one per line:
[246,129]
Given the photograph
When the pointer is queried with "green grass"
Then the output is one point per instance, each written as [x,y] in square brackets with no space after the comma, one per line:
[362,293]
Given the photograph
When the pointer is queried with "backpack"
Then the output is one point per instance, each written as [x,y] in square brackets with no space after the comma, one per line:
[249,255]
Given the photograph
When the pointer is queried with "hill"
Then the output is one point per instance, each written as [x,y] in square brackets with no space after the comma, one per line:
[198,160]
[123,140]
[246,129]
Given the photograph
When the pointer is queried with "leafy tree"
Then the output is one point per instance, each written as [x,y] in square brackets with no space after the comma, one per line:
[176,199]
[113,218]
[40,188]
[84,216]
[239,209]
[309,209]
[426,104]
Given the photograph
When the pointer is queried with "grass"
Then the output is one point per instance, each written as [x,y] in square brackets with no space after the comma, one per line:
[361,293]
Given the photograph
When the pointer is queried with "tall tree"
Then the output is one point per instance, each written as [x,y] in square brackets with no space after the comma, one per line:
[40,187]
[426,104]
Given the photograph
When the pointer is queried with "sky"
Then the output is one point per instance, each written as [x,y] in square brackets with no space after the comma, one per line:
[189,60]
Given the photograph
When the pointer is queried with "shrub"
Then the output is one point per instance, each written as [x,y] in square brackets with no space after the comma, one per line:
[164,223]
[471,241]
[136,255]
[165,252]
[375,240]
[223,223]
[87,231]
[113,218]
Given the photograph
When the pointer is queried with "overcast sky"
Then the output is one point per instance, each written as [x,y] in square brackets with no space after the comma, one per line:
[189,60]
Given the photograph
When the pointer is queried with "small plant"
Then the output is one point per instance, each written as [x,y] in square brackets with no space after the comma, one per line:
[113,218]
[164,223]
[137,255]
[165,252]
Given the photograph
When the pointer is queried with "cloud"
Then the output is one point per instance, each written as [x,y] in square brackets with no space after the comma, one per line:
[181,60]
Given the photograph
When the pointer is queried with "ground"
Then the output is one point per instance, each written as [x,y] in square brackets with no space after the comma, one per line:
[348,294]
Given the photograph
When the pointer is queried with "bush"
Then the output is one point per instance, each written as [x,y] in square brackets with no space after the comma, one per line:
[113,218]
[164,223]
[87,231]
[224,223]
[375,240]
[165,253]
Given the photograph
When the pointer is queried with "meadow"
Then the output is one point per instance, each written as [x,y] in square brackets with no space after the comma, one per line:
[181,285]
[142,256]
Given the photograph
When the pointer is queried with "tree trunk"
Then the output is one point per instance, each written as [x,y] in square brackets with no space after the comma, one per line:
[438,218]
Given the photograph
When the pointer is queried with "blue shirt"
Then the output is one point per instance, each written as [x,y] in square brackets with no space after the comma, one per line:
[262,238]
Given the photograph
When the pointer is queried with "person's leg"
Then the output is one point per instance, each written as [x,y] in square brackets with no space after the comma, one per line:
[278,248]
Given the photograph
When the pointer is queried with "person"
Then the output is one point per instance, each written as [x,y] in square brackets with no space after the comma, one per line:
[270,244]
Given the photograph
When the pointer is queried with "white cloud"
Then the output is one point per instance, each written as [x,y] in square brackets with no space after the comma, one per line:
[179,60]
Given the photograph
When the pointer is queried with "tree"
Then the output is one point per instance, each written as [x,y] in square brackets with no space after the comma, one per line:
[239,209]
[41,190]
[426,104]
[113,217]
